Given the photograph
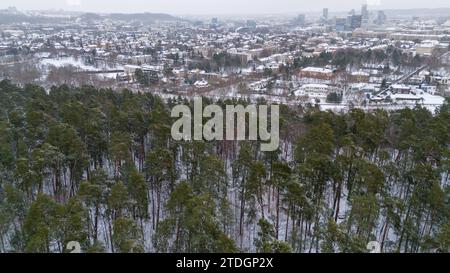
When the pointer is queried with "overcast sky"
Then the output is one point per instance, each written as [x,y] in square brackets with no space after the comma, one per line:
[198,7]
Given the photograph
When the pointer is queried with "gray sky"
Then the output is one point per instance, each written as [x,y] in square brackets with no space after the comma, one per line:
[198,7]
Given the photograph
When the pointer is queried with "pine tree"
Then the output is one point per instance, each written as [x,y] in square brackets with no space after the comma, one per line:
[267,242]
[40,225]
[126,236]
[191,225]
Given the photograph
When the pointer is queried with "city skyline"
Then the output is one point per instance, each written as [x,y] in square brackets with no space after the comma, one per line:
[204,7]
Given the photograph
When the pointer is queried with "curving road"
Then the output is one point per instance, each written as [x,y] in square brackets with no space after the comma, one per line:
[409,75]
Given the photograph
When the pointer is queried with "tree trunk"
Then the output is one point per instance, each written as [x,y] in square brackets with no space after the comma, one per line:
[277,226]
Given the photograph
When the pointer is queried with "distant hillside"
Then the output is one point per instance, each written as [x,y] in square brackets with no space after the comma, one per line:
[6,18]
[90,16]
[19,17]
[143,17]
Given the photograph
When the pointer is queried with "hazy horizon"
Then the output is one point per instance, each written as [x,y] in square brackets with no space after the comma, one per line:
[209,7]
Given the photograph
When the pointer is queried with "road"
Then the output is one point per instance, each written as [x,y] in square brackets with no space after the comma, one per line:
[409,75]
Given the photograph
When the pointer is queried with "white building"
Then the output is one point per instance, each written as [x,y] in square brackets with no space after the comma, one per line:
[131,69]
[426,47]
[313,90]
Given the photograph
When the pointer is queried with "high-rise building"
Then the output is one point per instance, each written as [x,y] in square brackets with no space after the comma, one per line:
[325,14]
[364,12]
[214,21]
[340,24]
[381,17]
[300,20]
[364,16]
[354,22]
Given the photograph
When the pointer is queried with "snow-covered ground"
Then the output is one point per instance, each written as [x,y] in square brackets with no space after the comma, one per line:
[76,62]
